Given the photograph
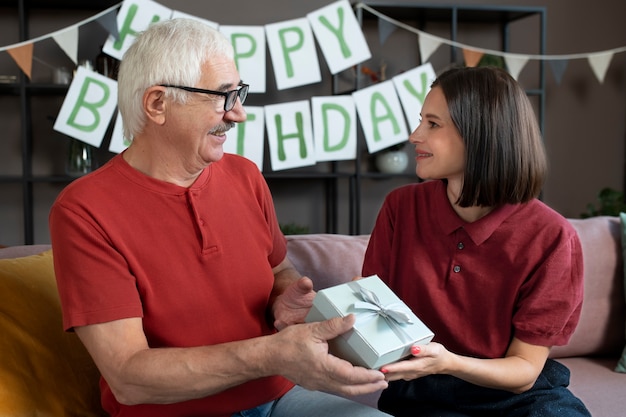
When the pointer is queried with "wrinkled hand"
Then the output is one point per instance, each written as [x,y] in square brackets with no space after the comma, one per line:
[425,360]
[304,359]
[292,306]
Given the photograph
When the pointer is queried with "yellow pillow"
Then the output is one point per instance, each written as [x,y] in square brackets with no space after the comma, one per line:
[43,370]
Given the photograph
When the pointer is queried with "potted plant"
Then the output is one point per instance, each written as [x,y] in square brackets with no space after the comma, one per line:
[611,204]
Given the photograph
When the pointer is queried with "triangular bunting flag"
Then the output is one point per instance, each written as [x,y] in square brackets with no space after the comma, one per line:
[23,57]
[109,23]
[472,57]
[600,63]
[68,41]
[515,64]
[558,68]
[385,29]
[428,44]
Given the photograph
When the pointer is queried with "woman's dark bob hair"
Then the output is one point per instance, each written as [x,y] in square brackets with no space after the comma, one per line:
[505,157]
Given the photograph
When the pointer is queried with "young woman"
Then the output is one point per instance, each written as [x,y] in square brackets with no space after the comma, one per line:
[493,271]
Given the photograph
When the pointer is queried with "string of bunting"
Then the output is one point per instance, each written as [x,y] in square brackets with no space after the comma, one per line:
[67,39]
[297,132]
[428,44]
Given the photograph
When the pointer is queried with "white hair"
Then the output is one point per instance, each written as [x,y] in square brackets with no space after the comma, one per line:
[168,52]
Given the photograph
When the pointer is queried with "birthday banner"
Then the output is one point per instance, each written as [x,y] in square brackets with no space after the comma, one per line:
[299,133]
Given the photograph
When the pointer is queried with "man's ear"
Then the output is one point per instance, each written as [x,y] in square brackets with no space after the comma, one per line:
[154,104]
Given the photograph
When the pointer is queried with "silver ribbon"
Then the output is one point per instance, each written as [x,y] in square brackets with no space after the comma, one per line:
[395,314]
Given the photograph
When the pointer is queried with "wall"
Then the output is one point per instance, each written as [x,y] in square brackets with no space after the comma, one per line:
[585,126]
[584,120]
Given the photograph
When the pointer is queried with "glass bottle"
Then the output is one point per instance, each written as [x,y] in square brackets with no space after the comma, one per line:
[80,158]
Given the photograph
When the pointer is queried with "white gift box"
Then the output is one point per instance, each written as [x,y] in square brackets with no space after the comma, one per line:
[385,327]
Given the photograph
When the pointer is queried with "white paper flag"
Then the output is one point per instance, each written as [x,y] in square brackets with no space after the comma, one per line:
[334,128]
[118,142]
[381,117]
[515,63]
[88,107]
[428,44]
[339,36]
[412,87]
[247,138]
[600,63]
[68,41]
[249,45]
[290,135]
[293,53]
[134,17]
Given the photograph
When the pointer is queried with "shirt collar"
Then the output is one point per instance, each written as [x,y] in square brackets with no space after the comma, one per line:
[480,230]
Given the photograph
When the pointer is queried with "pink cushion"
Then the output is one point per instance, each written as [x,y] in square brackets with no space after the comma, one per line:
[601,327]
[595,383]
[327,259]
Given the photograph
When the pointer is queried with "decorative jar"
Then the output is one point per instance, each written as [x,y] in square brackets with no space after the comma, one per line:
[392,162]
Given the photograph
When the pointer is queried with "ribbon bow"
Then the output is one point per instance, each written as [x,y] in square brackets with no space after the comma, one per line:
[394,314]
[371,302]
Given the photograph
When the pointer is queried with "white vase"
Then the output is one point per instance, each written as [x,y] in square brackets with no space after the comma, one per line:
[392,162]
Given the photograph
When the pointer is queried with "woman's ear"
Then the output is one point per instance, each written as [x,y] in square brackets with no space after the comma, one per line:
[154,104]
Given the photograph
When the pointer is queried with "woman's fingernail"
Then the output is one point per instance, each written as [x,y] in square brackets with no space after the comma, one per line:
[384,370]
[415,350]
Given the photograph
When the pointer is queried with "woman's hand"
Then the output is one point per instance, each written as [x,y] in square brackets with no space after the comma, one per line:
[429,359]
[516,372]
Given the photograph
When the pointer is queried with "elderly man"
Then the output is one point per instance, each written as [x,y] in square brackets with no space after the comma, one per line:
[171,267]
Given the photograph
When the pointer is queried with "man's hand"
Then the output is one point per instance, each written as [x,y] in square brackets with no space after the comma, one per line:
[305,360]
[292,306]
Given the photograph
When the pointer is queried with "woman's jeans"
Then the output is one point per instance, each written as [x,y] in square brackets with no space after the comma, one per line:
[448,396]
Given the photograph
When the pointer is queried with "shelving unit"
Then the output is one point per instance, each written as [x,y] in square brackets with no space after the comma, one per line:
[329,180]
[24,95]
[29,173]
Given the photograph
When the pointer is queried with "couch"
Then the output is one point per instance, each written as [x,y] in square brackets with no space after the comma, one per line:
[44,371]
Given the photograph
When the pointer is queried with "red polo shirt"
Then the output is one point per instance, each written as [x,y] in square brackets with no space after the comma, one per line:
[195,263]
[517,271]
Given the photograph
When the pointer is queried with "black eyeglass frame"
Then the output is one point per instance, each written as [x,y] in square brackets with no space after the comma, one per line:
[230,96]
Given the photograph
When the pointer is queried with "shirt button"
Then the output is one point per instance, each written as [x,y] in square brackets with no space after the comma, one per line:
[457,268]
[460,245]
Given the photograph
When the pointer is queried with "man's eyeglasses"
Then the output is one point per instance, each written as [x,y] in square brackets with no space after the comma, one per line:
[231,96]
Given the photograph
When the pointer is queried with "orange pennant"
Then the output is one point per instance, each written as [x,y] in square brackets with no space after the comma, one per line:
[472,57]
[23,57]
